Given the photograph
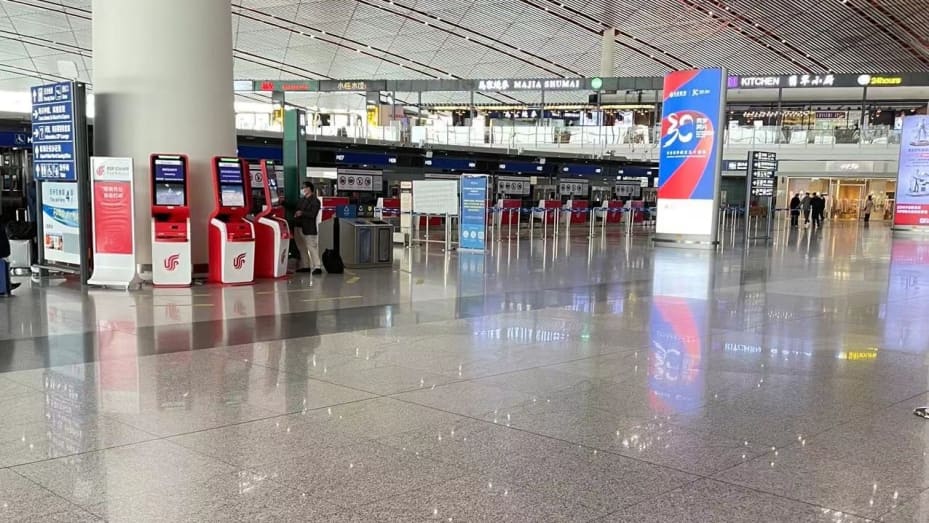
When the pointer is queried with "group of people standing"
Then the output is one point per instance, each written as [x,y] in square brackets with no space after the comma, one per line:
[813,209]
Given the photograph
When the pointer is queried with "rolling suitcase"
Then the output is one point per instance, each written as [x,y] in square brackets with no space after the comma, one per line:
[332,262]
[332,258]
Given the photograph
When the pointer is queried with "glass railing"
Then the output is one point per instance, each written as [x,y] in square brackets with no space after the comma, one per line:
[603,140]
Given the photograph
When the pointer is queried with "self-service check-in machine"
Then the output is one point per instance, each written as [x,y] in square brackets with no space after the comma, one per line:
[231,236]
[172,264]
[272,234]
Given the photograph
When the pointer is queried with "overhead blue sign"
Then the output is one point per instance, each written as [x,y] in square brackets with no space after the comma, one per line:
[522,167]
[582,169]
[473,216]
[53,152]
[365,159]
[450,164]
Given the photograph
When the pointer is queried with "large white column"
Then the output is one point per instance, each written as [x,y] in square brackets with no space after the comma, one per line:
[162,83]
[607,53]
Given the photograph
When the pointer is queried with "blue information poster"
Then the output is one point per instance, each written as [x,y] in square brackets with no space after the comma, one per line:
[53,132]
[690,151]
[473,218]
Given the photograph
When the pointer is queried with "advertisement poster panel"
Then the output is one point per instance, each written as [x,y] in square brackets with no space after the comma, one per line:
[912,205]
[112,205]
[61,224]
[690,152]
[473,217]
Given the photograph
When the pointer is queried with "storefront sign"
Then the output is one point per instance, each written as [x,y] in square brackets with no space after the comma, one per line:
[879,80]
[473,216]
[113,222]
[360,86]
[690,153]
[61,222]
[285,85]
[912,205]
[531,84]
[53,132]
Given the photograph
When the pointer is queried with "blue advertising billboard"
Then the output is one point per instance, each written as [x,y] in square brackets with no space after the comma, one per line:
[53,132]
[473,216]
[690,152]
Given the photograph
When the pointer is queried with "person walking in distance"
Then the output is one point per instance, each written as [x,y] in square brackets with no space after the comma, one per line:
[805,205]
[795,211]
[818,207]
[306,228]
[868,208]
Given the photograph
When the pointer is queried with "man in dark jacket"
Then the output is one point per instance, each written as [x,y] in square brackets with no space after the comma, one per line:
[306,232]
[5,253]
[805,205]
[818,205]
[795,211]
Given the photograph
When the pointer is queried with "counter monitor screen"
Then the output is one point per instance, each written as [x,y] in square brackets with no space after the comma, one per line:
[170,182]
[231,188]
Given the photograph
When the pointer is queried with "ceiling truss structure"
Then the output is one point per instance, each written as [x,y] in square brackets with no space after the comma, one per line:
[395,39]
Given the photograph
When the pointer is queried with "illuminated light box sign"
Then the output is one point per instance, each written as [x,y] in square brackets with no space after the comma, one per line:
[690,155]
[912,205]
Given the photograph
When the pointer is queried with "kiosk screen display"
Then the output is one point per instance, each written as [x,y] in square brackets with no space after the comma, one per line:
[170,182]
[231,187]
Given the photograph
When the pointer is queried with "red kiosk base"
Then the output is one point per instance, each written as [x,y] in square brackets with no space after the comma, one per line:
[272,234]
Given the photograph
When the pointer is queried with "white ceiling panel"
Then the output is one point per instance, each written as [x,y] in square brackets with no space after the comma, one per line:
[499,38]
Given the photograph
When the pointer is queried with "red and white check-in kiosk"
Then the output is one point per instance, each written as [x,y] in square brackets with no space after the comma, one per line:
[231,236]
[172,264]
[272,234]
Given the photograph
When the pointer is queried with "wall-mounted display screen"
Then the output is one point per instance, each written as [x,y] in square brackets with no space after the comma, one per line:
[231,186]
[169,182]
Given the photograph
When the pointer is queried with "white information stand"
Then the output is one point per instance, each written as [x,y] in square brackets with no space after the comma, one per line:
[437,197]
[113,207]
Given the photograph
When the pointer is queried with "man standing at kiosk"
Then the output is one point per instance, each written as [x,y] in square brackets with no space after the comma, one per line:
[305,230]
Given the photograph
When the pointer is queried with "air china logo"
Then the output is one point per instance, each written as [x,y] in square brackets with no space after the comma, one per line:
[101,170]
[171,262]
[239,261]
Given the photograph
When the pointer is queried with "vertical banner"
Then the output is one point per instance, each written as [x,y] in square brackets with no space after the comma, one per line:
[61,240]
[690,153]
[912,205]
[113,222]
[473,216]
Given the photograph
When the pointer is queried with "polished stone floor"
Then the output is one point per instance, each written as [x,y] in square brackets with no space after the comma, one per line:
[564,380]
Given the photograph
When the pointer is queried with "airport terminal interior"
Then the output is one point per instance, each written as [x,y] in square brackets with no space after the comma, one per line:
[464,260]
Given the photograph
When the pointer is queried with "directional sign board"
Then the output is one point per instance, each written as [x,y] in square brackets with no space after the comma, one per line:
[53,132]
[762,174]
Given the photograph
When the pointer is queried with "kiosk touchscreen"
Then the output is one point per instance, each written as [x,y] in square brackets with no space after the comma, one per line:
[172,264]
[231,236]
[272,234]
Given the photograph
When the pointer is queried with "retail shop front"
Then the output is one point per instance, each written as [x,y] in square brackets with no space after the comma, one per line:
[847,192]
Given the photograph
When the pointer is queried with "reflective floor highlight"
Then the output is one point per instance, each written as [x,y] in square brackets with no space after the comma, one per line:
[557,380]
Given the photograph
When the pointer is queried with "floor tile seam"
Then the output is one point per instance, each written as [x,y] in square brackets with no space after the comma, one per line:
[431,484]
[70,503]
[167,438]
[554,438]
[504,373]
[788,498]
